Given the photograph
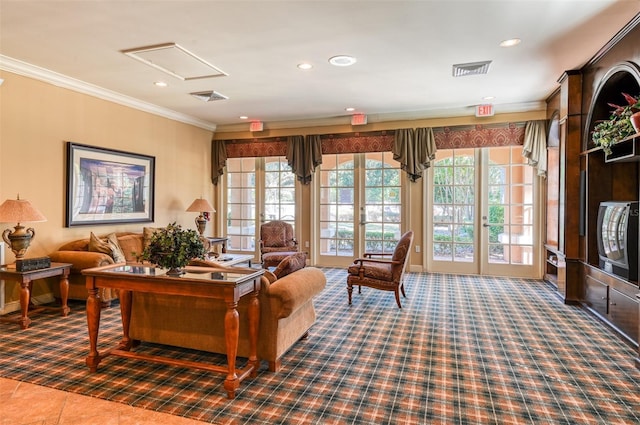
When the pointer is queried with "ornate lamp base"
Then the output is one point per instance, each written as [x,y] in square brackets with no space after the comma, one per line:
[201,224]
[19,240]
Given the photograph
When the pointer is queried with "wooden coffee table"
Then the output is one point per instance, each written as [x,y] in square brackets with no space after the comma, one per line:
[206,282]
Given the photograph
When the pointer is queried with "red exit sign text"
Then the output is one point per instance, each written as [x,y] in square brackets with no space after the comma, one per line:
[484,111]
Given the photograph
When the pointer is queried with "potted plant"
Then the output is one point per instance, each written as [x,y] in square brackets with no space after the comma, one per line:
[623,122]
[173,247]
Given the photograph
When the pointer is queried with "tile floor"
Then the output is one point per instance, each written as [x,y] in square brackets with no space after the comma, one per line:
[28,404]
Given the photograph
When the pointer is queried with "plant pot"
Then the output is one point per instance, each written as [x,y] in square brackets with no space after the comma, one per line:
[175,272]
[635,121]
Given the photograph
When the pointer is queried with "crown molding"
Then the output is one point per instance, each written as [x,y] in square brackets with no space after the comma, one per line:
[25,69]
[390,119]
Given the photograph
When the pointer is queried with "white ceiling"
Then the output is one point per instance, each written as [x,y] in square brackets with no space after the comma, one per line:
[404,49]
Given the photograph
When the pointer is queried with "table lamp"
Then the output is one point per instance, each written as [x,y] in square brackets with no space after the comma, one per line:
[203,207]
[20,211]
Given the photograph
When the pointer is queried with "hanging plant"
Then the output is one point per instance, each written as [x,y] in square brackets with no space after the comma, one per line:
[609,132]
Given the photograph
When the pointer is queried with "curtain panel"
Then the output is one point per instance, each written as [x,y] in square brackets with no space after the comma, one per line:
[414,149]
[218,160]
[535,146]
[304,156]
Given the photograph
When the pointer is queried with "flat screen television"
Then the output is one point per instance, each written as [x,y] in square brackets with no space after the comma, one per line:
[618,238]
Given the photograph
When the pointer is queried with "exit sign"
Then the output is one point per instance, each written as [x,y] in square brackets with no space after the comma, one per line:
[484,111]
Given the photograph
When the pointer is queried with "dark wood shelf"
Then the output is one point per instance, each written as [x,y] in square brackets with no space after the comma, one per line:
[626,150]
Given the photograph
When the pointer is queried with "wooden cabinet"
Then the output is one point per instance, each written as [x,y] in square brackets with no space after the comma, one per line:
[555,269]
[596,295]
[613,300]
[609,177]
[562,199]
[581,176]
[623,311]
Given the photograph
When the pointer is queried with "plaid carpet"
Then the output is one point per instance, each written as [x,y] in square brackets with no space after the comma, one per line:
[463,350]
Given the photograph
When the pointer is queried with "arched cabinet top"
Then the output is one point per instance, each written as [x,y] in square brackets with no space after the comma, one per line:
[621,78]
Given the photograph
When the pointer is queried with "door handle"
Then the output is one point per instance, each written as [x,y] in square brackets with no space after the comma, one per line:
[486,225]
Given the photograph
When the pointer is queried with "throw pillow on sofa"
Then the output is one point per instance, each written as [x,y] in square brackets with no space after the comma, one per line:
[271,277]
[118,254]
[109,245]
[131,246]
[98,245]
[290,264]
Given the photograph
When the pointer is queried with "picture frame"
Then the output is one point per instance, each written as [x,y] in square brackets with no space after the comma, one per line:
[108,186]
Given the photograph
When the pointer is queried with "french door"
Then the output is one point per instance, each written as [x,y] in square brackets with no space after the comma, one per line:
[484,213]
[358,206]
[258,190]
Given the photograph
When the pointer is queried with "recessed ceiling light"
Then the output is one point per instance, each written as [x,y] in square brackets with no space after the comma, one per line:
[305,66]
[244,117]
[342,60]
[160,84]
[488,98]
[349,109]
[510,42]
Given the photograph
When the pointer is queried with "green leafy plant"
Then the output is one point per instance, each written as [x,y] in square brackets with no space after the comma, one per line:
[173,247]
[608,132]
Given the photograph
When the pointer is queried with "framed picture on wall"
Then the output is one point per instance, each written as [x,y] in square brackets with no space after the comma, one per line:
[106,186]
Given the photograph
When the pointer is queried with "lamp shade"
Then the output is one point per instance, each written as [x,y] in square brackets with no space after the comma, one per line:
[200,205]
[19,211]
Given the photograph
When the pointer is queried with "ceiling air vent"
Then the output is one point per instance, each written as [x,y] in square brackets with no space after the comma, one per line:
[175,60]
[208,96]
[474,68]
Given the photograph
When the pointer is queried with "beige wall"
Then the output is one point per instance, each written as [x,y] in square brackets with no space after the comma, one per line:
[36,119]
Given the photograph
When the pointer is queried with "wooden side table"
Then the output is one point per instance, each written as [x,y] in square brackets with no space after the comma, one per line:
[214,240]
[25,279]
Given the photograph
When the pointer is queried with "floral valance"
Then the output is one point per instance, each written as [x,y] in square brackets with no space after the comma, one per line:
[252,148]
[479,136]
[371,141]
[472,136]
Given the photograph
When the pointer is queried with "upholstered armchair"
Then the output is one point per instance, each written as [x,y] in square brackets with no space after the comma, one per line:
[276,242]
[383,274]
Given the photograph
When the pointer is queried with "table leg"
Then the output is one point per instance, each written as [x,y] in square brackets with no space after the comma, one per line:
[25,299]
[231,334]
[64,293]
[93,323]
[125,312]
[254,325]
